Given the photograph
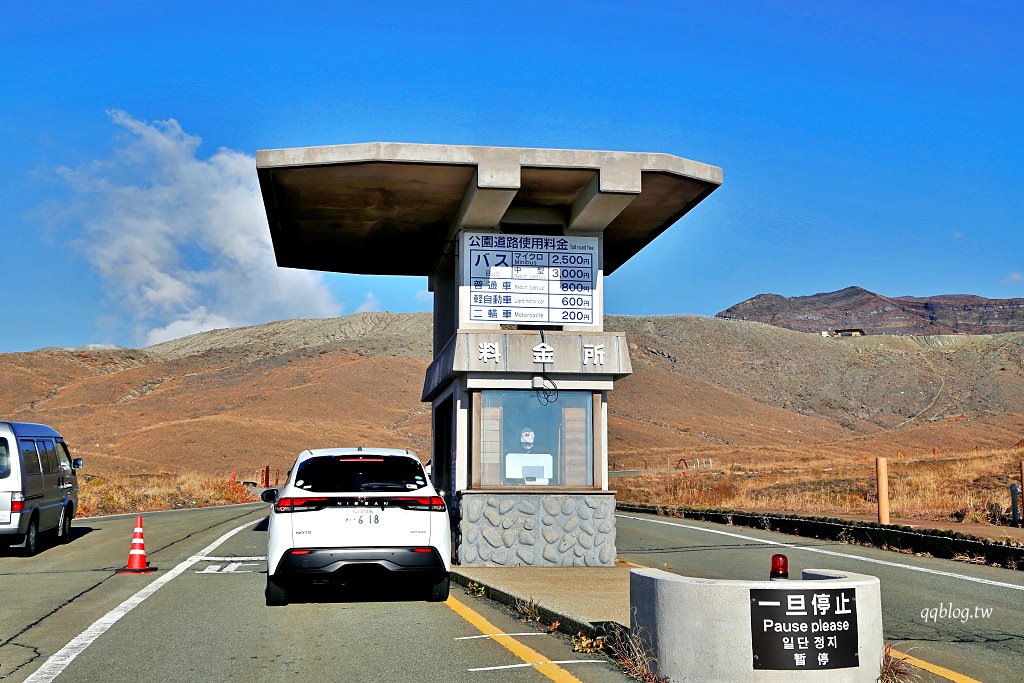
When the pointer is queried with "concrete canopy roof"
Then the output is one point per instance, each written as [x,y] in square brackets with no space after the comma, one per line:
[393,208]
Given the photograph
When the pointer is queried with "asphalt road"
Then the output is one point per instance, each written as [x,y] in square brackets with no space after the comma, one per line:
[202,617]
[979,634]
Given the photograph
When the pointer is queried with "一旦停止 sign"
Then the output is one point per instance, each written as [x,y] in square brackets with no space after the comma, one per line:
[796,629]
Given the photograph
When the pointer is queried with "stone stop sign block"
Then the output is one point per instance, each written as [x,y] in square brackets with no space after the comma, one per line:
[794,629]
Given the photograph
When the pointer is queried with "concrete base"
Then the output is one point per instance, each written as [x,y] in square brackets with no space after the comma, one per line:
[701,630]
[509,529]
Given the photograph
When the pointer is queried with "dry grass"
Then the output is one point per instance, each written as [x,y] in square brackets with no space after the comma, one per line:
[628,649]
[528,609]
[119,493]
[970,486]
[896,669]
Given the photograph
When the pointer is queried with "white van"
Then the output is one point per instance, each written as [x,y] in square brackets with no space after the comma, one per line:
[38,485]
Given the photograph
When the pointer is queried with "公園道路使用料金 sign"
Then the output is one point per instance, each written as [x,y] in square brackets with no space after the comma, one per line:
[531,280]
[795,629]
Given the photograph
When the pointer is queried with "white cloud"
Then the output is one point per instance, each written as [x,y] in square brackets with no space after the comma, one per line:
[182,242]
[1015,277]
[957,235]
[197,320]
[424,296]
[370,304]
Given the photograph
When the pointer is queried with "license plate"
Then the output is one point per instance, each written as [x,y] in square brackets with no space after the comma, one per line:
[366,518]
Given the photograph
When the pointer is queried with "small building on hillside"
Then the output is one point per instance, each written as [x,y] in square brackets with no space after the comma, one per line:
[850,332]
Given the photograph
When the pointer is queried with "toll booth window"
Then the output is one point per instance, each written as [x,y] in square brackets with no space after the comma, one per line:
[530,438]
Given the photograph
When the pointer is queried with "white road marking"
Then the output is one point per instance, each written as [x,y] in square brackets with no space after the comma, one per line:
[232,558]
[231,568]
[67,654]
[523,666]
[793,546]
[495,635]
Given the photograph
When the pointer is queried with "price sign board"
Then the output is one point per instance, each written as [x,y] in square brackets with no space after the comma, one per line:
[804,629]
[531,280]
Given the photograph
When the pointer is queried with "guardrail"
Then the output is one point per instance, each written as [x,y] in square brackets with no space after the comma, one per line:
[936,542]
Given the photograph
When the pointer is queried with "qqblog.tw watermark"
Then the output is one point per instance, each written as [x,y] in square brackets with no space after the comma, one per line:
[946,611]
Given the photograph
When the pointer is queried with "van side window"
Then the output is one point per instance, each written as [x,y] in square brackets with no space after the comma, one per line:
[5,459]
[48,456]
[29,456]
[64,457]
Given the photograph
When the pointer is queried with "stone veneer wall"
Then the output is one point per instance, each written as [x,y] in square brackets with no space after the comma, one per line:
[509,529]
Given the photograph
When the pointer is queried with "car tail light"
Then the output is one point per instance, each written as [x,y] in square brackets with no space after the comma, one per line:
[301,552]
[429,503]
[299,504]
[17,502]
[423,550]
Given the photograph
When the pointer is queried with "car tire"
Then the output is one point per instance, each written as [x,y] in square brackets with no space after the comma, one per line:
[31,546]
[64,526]
[439,591]
[276,594]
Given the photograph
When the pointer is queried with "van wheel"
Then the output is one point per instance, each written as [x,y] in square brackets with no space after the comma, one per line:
[32,538]
[439,591]
[64,526]
[276,594]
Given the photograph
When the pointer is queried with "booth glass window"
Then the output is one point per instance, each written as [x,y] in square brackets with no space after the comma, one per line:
[529,438]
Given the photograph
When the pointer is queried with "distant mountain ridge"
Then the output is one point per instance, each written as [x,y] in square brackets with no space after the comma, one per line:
[856,307]
[240,399]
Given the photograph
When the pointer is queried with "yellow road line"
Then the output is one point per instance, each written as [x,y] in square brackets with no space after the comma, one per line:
[934,668]
[619,560]
[527,654]
[919,663]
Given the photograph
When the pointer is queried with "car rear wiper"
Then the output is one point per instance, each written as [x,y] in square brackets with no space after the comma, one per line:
[382,486]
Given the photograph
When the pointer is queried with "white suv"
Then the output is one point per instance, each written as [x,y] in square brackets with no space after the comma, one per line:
[346,513]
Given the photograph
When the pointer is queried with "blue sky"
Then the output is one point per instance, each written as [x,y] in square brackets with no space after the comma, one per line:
[864,143]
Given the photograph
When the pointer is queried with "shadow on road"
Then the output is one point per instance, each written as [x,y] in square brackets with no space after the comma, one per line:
[331,592]
[47,541]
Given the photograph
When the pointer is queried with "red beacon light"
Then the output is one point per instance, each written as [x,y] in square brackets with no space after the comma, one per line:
[780,568]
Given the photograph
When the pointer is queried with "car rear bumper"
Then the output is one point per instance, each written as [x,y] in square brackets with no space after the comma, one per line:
[14,525]
[338,561]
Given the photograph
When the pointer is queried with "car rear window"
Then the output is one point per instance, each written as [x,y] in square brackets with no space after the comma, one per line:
[5,459]
[360,473]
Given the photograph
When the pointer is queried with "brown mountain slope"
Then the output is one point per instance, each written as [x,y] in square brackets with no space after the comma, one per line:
[236,400]
[855,307]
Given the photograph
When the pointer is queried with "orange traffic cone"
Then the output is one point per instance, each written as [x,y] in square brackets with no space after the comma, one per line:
[137,555]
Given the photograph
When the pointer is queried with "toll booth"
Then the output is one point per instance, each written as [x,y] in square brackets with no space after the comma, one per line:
[515,243]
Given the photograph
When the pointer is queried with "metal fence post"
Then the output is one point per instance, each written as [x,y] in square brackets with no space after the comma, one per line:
[882,486]
[1015,518]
